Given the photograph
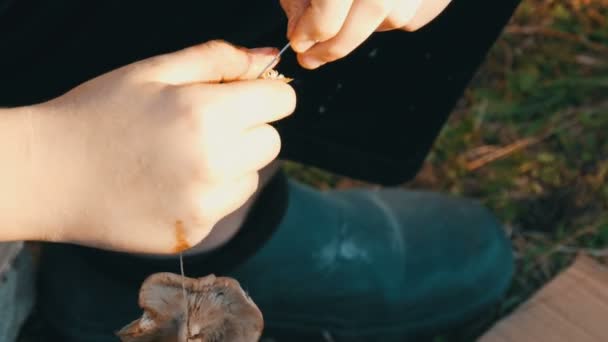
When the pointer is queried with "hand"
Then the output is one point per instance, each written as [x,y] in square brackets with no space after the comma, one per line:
[148,157]
[322,31]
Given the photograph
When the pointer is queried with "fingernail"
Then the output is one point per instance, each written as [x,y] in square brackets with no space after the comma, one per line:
[302,45]
[269,51]
[311,62]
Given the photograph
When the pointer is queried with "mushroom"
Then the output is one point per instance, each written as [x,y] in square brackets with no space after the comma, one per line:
[217,310]
[272,74]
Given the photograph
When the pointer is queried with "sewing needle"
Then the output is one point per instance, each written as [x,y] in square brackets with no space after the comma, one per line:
[274,59]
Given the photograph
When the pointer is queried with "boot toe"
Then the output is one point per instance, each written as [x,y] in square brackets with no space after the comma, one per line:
[457,260]
[383,264]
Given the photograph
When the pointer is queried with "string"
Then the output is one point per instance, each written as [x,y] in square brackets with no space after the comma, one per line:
[185,302]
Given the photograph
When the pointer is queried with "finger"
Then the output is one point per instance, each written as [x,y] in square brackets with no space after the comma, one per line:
[245,104]
[214,61]
[257,148]
[249,152]
[428,11]
[364,17]
[294,9]
[403,12]
[225,198]
[319,22]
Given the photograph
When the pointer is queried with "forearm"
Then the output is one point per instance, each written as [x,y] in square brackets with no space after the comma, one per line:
[22,211]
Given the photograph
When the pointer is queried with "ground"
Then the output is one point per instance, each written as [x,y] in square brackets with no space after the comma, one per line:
[529,139]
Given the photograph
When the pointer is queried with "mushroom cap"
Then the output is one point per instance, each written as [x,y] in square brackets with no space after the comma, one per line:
[218,309]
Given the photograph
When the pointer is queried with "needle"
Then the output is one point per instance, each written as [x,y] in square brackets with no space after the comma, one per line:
[274,59]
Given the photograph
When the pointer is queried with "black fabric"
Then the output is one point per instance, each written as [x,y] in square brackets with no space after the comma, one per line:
[373,115]
[260,224]
[4,4]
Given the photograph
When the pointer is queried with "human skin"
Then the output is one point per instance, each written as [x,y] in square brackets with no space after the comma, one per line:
[139,160]
[339,27]
[322,31]
[146,158]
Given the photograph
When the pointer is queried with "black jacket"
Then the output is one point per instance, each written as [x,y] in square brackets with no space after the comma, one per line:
[373,115]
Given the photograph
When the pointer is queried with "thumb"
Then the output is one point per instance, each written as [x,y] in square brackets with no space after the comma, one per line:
[213,61]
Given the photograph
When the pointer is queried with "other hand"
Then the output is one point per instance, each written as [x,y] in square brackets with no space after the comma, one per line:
[322,31]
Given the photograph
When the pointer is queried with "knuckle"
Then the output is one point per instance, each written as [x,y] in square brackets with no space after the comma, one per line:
[218,45]
[322,32]
[213,167]
[226,52]
[393,22]
[250,183]
[219,52]
[206,124]
[221,164]
[411,27]
[289,97]
[269,140]
[275,143]
[188,113]
[201,171]
[334,52]
[273,136]
[268,145]
[194,106]
[182,101]
[378,8]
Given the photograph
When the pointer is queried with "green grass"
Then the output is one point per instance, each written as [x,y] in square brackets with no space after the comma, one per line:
[541,102]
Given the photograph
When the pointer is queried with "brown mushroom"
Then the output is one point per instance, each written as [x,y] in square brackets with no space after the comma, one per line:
[217,310]
[272,74]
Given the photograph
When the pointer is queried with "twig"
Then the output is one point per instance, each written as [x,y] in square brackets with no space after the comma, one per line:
[503,152]
[481,151]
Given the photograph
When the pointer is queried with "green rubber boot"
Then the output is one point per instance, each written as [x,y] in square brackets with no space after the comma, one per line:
[355,265]
[385,265]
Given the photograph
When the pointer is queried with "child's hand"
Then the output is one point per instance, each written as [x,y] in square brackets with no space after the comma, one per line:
[322,31]
[147,158]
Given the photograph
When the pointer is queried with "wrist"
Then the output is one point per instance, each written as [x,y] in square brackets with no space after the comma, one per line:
[26,207]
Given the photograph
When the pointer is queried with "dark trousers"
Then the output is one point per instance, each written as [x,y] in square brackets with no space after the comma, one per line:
[373,115]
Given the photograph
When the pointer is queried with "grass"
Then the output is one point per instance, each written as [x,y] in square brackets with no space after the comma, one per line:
[529,139]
